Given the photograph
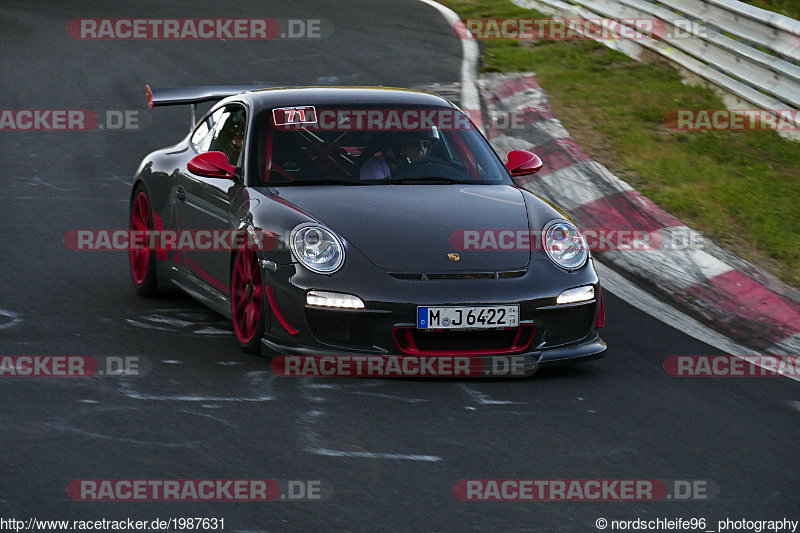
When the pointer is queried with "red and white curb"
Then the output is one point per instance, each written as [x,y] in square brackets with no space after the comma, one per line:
[744,302]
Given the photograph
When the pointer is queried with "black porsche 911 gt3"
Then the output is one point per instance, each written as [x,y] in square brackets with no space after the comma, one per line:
[376,221]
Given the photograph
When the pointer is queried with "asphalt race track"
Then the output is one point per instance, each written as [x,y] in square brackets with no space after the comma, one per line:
[391,450]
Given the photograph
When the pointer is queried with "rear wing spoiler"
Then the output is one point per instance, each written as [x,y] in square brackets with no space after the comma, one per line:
[194,95]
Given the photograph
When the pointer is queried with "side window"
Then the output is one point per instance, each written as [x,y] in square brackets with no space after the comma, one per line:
[228,134]
[201,138]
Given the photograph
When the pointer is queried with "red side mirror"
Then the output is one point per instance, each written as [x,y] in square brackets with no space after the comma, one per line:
[211,165]
[522,163]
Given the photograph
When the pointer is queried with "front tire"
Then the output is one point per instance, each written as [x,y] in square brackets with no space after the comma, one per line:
[142,258]
[247,301]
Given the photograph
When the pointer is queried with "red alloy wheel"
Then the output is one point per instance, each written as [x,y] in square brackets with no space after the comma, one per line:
[247,296]
[140,221]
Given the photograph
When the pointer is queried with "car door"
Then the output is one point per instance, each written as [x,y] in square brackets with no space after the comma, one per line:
[205,203]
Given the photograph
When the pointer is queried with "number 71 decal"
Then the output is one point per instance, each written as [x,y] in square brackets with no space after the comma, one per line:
[284,116]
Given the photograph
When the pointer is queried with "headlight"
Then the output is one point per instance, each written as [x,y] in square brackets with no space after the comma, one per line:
[333,299]
[576,295]
[317,247]
[565,245]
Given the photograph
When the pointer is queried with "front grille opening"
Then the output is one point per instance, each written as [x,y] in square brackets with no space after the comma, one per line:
[477,342]
[439,276]
[408,277]
[465,275]
[338,327]
[569,324]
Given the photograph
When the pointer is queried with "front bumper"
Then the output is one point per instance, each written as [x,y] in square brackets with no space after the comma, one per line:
[548,333]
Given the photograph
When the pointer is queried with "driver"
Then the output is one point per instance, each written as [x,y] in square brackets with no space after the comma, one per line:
[410,148]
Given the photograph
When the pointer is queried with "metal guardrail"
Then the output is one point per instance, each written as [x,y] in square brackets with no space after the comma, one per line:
[749,54]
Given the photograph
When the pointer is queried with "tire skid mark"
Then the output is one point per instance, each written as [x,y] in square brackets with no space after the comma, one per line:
[312,442]
[255,380]
[9,319]
[484,399]
[93,435]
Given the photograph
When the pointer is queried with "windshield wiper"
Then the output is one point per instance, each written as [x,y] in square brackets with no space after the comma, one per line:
[424,179]
[317,182]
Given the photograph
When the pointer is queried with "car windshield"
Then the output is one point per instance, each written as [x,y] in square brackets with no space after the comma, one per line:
[368,146]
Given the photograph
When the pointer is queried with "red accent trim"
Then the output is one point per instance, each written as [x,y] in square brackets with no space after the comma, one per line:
[211,165]
[408,337]
[267,156]
[291,206]
[466,156]
[140,221]
[273,304]
[149,92]
[601,313]
[246,273]
[270,165]
[280,170]
[523,163]
[205,276]
[410,348]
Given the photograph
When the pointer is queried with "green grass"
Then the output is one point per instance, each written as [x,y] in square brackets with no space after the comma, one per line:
[790,8]
[740,188]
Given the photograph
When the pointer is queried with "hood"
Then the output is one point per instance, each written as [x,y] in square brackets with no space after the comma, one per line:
[413,228]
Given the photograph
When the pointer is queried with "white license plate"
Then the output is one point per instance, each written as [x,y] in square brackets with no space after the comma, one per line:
[468,317]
